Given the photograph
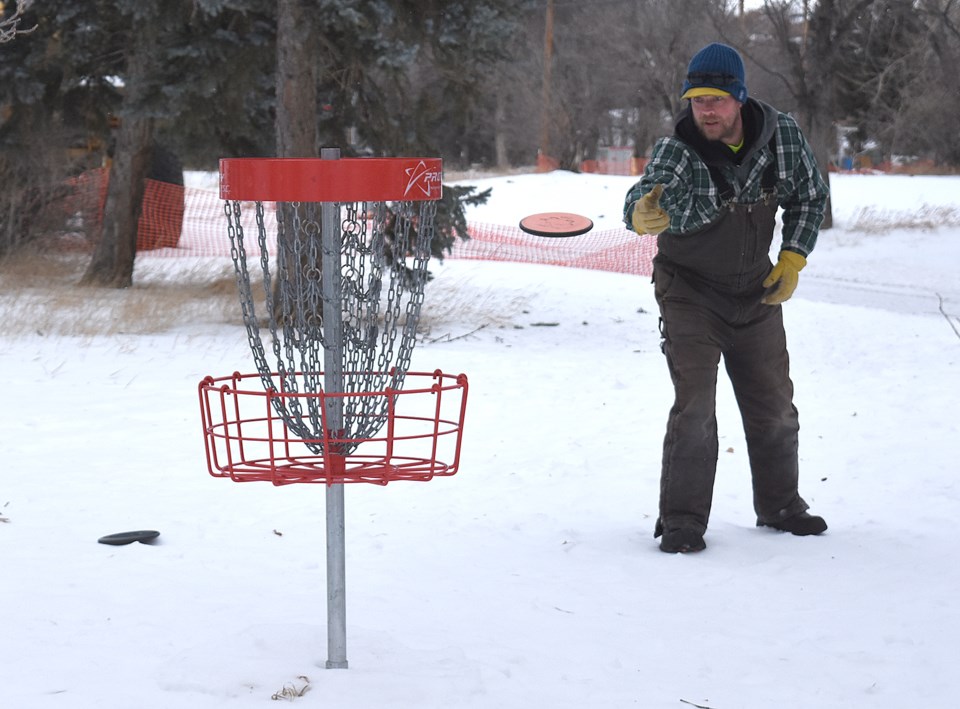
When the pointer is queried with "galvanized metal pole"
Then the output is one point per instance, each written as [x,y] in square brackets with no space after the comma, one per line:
[330,240]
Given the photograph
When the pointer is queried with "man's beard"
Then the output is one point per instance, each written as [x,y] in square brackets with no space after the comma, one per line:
[718,130]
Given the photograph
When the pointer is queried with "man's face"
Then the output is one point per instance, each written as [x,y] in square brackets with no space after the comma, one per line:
[718,118]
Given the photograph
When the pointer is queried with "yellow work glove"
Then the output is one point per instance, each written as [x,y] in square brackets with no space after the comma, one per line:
[785,275]
[647,217]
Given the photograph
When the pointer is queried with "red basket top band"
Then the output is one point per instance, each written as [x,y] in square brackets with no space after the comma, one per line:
[340,180]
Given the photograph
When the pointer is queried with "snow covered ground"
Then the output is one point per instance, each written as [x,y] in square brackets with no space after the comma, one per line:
[531,578]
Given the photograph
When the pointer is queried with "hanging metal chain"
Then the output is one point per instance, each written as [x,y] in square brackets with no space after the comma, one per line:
[382,267]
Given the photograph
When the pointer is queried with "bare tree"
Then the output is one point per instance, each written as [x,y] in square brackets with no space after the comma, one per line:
[10,26]
[808,45]
[925,120]
[619,67]
[664,35]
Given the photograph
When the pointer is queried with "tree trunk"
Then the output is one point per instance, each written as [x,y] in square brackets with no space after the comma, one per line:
[821,140]
[296,123]
[500,135]
[116,250]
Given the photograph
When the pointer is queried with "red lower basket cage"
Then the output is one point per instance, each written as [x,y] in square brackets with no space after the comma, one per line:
[247,440]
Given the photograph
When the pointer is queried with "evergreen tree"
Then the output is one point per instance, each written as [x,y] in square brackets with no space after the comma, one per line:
[106,79]
[159,52]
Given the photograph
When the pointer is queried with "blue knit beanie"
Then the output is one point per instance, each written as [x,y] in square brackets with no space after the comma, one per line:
[714,68]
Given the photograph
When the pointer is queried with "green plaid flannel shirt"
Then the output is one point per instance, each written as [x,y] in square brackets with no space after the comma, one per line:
[692,200]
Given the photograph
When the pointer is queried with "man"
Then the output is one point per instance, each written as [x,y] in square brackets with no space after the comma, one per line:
[710,192]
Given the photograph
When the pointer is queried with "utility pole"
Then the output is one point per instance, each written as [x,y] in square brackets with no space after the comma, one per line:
[547,75]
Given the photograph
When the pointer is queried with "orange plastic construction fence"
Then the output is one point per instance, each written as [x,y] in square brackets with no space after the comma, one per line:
[189,222]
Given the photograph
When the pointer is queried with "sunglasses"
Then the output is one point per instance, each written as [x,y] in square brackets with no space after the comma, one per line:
[701,78]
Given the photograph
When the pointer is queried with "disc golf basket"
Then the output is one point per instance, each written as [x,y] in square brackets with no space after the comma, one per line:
[331,322]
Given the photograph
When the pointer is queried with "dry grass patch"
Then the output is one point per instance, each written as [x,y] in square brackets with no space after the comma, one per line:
[881,219]
[39,294]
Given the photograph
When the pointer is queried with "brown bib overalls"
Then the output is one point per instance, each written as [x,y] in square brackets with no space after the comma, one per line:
[708,285]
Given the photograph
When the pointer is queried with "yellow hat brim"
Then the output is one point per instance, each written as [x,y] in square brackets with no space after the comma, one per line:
[704,91]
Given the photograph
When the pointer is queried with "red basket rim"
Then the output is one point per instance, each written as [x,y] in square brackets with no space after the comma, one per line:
[247,439]
[340,180]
